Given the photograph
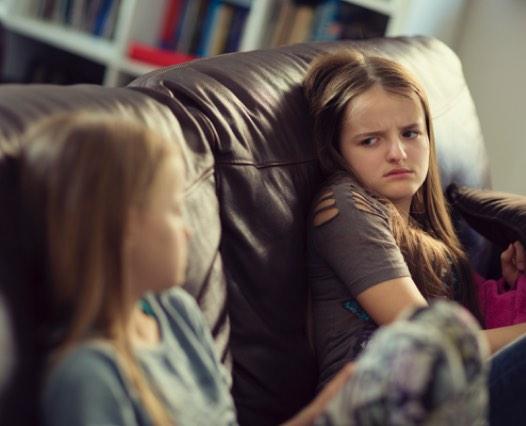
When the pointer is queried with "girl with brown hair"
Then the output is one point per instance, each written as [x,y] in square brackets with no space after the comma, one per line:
[381,238]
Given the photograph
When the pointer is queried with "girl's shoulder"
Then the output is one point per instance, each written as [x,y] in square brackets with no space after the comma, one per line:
[93,359]
[342,193]
[180,306]
[86,379]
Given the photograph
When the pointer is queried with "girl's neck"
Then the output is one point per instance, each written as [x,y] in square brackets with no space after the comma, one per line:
[143,329]
[403,210]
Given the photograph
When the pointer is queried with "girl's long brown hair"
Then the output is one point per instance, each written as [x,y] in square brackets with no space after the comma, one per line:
[81,174]
[429,243]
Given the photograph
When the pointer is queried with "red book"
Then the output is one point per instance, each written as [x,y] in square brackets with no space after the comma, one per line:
[171,19]
[153,55]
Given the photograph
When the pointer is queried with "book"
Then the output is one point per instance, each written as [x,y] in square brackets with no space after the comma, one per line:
[357,22]
[66,12]
[109,27]
[187,25]
[283,23]
[92,8]
[237,26]
[301,24]
[78,13]
[174,9]
[221,29]
[209,24]
[325,26]
[57,15]
[179,27]
[198,26]
[102,16]
[155,56]
[46,9]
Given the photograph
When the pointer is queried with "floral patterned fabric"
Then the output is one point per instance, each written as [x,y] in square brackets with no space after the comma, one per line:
[425,369]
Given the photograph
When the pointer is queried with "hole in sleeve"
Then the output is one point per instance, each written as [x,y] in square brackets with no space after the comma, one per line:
[327,194]
[362,203]
[325,215]
[323,204]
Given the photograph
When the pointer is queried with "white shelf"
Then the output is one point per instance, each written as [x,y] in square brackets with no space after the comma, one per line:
[83,44]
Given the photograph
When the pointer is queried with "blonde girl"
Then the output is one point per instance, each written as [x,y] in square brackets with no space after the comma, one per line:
[102,202]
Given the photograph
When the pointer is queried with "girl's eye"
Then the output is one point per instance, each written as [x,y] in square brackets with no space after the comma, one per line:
[411,134]
[368,141]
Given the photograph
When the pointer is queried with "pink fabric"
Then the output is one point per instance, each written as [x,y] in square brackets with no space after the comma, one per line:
[501,306]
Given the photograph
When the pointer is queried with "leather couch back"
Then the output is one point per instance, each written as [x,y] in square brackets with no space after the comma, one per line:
[252,107]
[251,176]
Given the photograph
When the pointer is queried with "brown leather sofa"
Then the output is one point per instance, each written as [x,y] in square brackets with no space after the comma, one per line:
[251,175]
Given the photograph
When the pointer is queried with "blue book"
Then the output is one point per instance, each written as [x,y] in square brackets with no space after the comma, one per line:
[208,28]
[198,27]
[101,17]
[236,29]
[188,26]
[68,8]
[179,27]
[325,26]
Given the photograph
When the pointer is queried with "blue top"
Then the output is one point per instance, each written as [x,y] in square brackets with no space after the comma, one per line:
[87,387]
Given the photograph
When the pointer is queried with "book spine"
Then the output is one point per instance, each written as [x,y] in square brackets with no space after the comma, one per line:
[198,26]
[221,29]
[111,22]
[155,56]
[171,19]
[325,27]
[101,17]
[208,28]
[188,25]
[236,29]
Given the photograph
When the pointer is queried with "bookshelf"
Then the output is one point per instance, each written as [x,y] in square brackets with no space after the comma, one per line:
[19,16]
[143,22]
[337,19]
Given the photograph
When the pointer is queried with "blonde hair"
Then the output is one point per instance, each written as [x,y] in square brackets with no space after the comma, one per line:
[82,172]
[429,243]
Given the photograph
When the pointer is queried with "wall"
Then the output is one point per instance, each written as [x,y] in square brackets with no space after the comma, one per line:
[492,47]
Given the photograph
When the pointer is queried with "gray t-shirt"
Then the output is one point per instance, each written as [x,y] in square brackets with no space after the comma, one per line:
[87,387]
[347,254]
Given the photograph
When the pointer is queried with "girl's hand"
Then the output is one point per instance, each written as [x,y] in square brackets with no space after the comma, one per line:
[513,262]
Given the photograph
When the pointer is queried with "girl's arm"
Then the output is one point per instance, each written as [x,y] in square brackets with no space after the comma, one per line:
[500,337]
[384,301]
[513,261]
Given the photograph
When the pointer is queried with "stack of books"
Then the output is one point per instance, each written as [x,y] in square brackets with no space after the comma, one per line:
[204,27]
[323,20]
[96,17]
[194,28]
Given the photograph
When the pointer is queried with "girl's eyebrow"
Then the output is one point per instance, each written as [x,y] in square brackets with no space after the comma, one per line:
[367,134]
[408,126]
[380,132]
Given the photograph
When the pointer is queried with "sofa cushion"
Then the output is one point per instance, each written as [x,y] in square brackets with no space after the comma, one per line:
[498,216]
[251,106]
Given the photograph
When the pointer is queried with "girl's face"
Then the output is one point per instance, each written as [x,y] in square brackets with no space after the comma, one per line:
[157,235]
[384,142]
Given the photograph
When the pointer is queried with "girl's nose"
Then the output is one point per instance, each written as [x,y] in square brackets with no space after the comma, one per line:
[396,151]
